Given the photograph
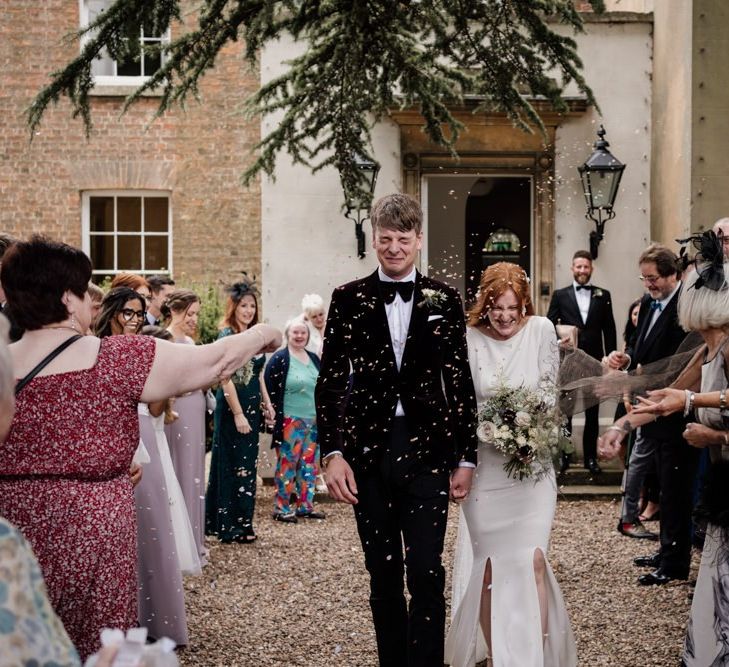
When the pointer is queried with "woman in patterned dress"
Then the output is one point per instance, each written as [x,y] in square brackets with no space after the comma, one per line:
[64,478]
[231,496]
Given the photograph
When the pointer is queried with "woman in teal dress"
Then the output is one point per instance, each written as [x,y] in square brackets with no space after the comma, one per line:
[231,495]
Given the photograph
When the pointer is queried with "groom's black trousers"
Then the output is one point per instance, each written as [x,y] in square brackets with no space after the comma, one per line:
[403,502]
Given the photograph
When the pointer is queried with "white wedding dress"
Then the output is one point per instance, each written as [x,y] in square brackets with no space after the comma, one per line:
[505,520]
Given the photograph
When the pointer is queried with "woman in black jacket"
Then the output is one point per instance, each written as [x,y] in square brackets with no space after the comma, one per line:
[290,378]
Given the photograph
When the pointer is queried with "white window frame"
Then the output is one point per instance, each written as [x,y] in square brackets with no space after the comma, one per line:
[114,80]
[86,229]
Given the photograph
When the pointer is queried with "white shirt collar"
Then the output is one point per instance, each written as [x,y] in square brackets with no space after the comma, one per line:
[410,278]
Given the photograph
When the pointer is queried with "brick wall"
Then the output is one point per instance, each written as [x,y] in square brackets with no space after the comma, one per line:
[198,154]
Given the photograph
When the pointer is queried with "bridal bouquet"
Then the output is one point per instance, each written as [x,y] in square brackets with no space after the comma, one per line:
[525,425]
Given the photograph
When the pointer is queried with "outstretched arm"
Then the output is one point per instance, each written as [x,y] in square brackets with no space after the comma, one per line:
[181,368]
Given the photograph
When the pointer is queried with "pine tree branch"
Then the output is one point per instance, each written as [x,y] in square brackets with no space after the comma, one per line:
[363,58]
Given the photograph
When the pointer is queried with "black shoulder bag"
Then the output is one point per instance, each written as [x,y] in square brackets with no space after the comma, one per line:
[47,360]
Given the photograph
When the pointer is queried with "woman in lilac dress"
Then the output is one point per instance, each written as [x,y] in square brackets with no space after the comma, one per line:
[160,594]
[186,435]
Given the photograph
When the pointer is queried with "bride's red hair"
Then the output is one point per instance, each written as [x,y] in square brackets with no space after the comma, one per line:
[495,280]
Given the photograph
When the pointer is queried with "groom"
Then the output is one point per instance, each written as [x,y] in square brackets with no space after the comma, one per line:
[398,434]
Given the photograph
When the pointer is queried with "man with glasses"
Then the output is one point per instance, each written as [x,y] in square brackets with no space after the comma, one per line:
[659,446]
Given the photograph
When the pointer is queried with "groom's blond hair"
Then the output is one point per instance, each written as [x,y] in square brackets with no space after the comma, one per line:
[398,212]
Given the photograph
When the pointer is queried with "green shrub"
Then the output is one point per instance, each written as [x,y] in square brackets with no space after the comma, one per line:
[212,307]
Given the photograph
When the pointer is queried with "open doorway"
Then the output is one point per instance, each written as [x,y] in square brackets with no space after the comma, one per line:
[473,221]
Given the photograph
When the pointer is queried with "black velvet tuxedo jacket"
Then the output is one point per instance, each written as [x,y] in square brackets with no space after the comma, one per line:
[596,336]
[662,341]
[355,412]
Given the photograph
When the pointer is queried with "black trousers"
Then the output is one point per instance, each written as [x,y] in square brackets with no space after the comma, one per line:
[401,519]
[676,464]
[590,432]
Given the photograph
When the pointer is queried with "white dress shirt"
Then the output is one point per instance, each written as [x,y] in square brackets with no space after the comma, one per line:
[398,314]
[583,297]
[656,313]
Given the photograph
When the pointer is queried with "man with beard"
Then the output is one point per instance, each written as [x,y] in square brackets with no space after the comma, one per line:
[588,308]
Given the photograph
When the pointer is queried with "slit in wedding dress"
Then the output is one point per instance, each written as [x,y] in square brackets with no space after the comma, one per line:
[540,576]
[485,611]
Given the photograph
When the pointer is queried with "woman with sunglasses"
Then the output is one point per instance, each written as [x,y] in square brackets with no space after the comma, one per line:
[64,478]
[186,435]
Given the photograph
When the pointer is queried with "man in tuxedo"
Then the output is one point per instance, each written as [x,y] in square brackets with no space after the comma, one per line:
[160,287]
[659,445]
[397,429]
[588,308]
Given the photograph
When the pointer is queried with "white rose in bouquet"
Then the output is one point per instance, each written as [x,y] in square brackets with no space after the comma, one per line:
[485,431]
[522,419]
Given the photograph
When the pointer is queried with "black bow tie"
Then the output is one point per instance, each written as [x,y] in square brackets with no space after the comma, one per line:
[388,289]
[587,287]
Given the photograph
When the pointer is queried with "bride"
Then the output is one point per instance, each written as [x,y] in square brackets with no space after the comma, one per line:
[508,606]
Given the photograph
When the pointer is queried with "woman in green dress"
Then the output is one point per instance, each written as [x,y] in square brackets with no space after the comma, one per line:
[231,494]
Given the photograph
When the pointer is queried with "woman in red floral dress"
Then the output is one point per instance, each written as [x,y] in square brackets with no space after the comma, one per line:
[64,469]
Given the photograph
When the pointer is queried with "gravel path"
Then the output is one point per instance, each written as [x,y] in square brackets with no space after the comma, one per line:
[298,596]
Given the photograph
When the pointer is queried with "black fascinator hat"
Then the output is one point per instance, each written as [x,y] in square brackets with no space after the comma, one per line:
[709,259]
[239,289]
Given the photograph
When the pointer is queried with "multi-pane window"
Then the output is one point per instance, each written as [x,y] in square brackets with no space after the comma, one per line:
[107,70]
[127,231]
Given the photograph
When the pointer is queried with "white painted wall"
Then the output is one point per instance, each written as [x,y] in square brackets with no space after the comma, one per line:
[308,245]
[617,59]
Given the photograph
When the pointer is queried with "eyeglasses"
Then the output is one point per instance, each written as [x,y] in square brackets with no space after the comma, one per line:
[650,280]
[128,314]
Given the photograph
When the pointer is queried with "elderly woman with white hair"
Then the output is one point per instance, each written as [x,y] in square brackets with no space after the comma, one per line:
[290,378]
[315,316]
[703,307]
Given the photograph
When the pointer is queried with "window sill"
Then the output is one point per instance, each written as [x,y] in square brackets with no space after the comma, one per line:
[122,90]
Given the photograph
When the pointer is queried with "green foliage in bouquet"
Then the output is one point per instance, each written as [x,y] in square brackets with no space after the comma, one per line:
[525,425]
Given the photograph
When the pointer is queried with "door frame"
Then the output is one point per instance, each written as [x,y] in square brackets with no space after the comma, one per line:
[536,165]
[475,175]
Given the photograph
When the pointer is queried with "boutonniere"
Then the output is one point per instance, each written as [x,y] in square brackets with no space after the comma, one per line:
[432,298]
[597,292]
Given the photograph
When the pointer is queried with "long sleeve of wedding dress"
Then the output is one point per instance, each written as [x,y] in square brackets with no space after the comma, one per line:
[505,521]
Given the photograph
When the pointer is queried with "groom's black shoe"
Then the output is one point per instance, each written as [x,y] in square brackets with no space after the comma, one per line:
[648,561]
[591,465]
[657,578]
[564,463]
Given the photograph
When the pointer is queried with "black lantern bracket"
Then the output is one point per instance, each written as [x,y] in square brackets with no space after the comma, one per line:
[357,209]
[600,176]
[355,215]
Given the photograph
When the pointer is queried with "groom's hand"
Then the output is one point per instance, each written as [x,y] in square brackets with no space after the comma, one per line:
[461,484]
[340,480]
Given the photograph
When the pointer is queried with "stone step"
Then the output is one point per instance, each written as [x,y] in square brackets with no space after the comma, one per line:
[589,492]
[576,475]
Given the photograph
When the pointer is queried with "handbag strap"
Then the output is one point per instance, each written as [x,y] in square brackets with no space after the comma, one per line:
[46,360]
